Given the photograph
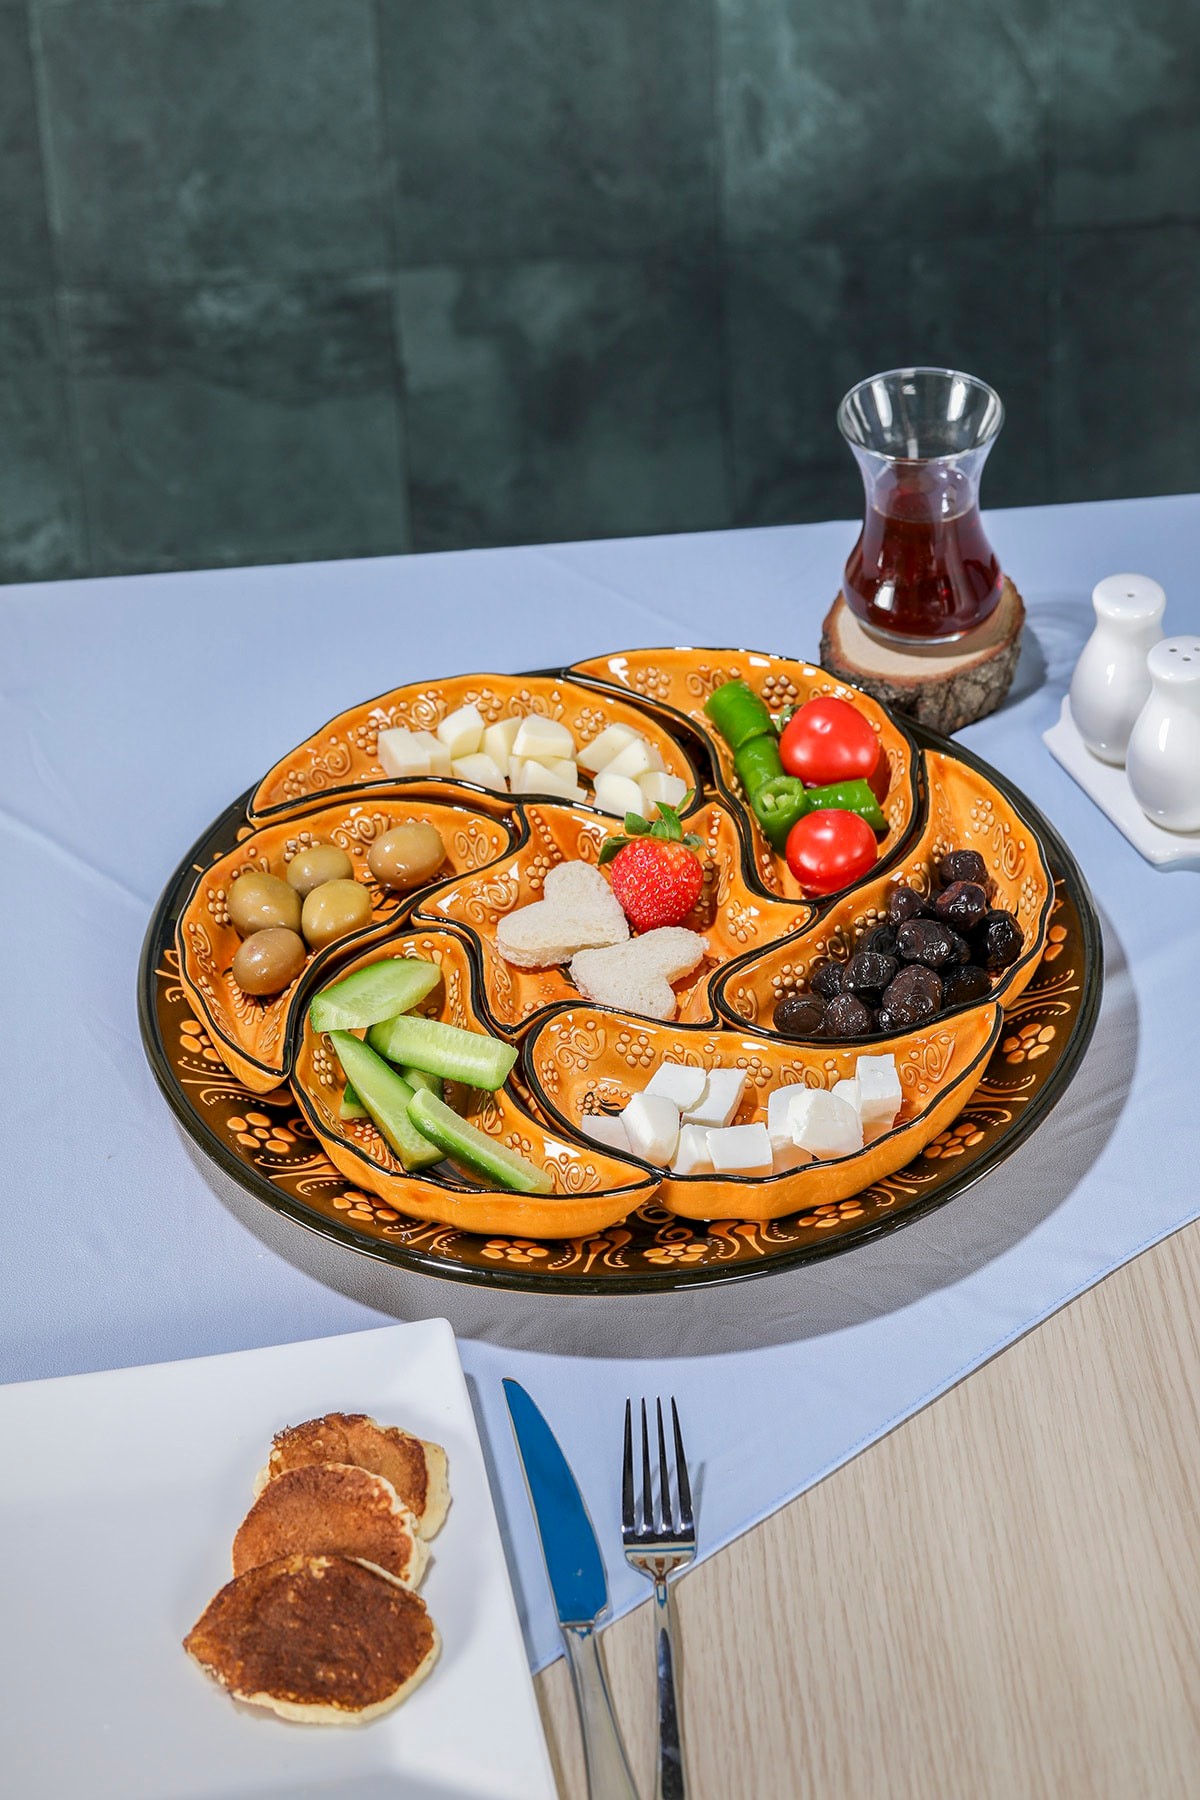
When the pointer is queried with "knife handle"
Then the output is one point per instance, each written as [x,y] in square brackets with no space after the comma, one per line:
[608,1775]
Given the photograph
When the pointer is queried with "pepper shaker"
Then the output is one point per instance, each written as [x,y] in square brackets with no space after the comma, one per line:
[1110,685]
[1163,764]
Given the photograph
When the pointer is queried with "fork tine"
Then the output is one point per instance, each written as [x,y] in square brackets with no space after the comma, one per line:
[664,1475]
[681,1472]
[647,1479]
[627,1471]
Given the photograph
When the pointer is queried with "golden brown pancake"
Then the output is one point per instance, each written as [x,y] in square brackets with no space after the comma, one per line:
[321,1639]
[331,1509]
[416,1470]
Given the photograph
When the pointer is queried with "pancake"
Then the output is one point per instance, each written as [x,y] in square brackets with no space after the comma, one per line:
[321,1639]
[416,1470]
[331,1509]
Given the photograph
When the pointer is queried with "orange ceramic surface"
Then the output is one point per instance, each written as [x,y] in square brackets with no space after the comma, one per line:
[732,917]
[593,1190]
[253,1036]
[344,754]
[966,812]
[581,1060]
[669,682]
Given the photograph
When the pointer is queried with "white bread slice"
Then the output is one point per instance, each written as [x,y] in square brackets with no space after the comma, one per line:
[637,976]
[579,910]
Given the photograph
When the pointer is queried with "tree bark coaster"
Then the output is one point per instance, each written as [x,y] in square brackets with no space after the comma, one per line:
[943,686]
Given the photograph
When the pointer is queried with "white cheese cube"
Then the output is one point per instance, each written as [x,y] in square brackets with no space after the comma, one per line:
[825,1124]
[779,1107]
[439,756]
[880,1095]
[462,731]
[617,794]
[612,740]
[498,741]
[720,1101]
[652,1127]
[740,1150]
[785,1157]
[401,753]
[691,1155]
[481,770]
[686,1087]
[562,767]
[539,738]
[607,1129]
[535,778]
[660,789]
[633,760]
[847,1089]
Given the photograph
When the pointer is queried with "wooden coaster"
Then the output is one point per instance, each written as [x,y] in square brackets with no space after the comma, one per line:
[944,686]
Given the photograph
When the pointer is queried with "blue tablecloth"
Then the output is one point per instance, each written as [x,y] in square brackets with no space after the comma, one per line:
[135,709]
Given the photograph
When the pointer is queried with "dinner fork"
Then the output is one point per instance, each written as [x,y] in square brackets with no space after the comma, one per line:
[658,1551]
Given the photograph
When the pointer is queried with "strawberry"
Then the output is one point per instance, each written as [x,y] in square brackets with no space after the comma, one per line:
[656,874]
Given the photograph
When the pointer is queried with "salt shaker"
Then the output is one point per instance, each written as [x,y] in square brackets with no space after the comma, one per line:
[1110,684]
[1163,764]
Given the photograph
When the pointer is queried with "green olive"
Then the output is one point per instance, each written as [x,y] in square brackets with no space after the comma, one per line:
[258,902]
[269,960]
[406,856]
[319,863]
[333,910]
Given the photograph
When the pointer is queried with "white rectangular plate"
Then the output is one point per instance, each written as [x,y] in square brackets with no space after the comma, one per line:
[119,1497]
[1108,787]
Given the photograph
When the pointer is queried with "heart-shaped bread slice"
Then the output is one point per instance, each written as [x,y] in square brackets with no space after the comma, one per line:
[636,976]
[578,910]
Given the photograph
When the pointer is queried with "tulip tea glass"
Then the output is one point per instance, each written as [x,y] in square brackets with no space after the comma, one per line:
[922,571]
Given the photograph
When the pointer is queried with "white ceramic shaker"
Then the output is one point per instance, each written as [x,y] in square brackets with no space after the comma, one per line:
[1110,685]
[1163,763]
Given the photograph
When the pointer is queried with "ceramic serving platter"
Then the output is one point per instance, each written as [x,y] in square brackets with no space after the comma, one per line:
[977,1084]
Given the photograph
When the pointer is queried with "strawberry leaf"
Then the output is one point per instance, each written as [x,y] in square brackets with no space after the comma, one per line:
[611,848]
[636,826]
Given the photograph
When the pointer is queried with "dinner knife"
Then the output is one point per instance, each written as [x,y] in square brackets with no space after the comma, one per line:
[580,1590]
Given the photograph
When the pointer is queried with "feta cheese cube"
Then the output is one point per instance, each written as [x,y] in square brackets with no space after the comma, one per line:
[439,756]
[686,1087]
[691,1155]
[462,731]
[617,794]
[536,778]
[607,1129]
[402,753]
[539,738]
[825,1124]
[652,1127]
[633,760]
[720,1100]
[847,1089]
[740,1150]
[498,741]
[779,1105]
[562,767]
[611,741]
[880,1095]
[480,769]
[660,789]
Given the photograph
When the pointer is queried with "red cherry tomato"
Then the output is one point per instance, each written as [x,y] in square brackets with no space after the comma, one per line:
[829,740]
[828,849]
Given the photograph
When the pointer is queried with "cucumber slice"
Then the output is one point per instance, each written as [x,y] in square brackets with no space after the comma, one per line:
[466,1056]
[418,1078]
[379,991]
[386,1096]
[473,1147]
[350,1106]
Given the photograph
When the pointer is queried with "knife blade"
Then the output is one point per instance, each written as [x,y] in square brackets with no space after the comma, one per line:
[579,1587]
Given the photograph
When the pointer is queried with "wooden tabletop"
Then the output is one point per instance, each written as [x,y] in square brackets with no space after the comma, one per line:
[1001,1598]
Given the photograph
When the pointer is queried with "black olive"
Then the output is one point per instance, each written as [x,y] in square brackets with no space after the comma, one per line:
[905,903]
[882,940]
[846,1017]
[966,982]
[914,997]
[867,974]
[963,865]
[962,904]
[826,979]
[799,1015]
[930,942]
[999,939]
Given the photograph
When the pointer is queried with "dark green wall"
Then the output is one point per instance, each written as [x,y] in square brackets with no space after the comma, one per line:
[303,278]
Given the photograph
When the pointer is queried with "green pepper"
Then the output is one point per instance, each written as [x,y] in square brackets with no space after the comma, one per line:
[777,806]
[849,796]
[738,713]
[757,762]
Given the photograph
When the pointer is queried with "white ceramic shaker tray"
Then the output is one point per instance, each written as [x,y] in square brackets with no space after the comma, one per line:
[1106,784]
